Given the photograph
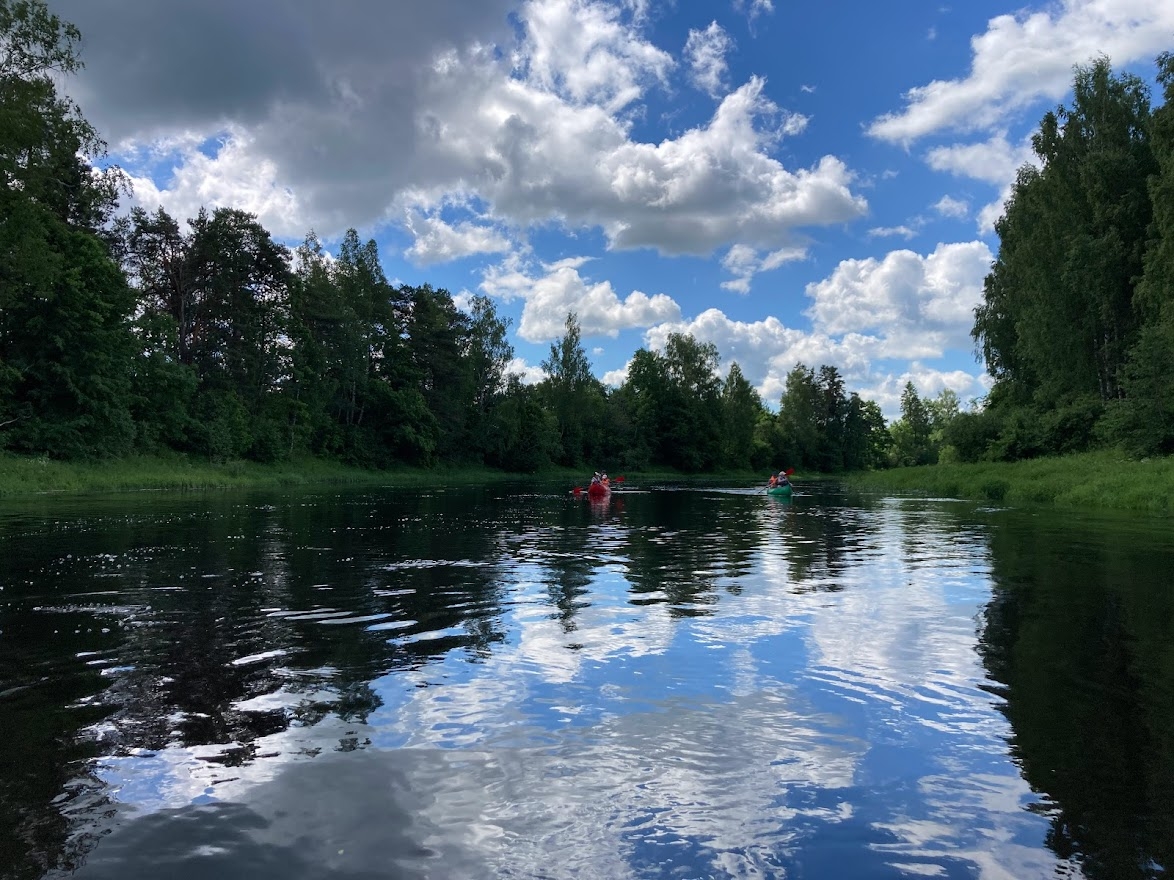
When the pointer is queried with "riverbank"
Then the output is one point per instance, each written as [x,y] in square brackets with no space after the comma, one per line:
[1100,479]
[22,476]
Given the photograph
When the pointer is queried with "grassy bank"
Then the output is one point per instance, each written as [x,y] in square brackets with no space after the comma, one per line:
[34,476]
[1103,479]
[20,476]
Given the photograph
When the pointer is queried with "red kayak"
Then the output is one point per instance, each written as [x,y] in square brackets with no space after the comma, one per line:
[598,490]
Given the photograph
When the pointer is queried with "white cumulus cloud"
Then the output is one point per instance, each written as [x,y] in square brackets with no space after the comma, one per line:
[903,231]
[994,160]
[236,177]
[754,8]
[585,53]
[439,242]
[533,125]
[558,288]
[744,262]
[921,305]
[948,206]
[886,390]
[528,373]
[866,315]
[705,52]
[1023,58]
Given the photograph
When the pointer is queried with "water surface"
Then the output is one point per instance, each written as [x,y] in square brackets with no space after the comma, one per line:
[509,682]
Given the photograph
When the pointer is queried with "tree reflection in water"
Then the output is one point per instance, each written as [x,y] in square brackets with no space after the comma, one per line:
[164,653]
[1078,633]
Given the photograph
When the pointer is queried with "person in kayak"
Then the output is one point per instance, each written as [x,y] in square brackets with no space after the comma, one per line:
[773,481]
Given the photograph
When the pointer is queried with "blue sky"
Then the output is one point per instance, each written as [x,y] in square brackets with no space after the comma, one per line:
[807,183]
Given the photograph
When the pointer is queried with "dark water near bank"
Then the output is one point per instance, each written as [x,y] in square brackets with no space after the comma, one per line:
[506,682]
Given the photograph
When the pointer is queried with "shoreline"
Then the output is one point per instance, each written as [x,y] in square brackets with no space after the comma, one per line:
[25,478]
[1105,479]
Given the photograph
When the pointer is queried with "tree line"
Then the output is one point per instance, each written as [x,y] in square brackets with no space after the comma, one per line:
[1076,324]
[141,334]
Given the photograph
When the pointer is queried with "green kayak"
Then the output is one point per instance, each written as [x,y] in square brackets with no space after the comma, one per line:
[784,491]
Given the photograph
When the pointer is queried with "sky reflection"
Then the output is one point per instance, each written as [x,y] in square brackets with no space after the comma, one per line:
[717,684]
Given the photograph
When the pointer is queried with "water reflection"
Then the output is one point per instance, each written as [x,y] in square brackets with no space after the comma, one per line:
[1078,636]
[509,681]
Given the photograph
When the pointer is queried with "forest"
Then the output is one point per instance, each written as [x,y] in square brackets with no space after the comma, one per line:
[133,332]
[1076,324]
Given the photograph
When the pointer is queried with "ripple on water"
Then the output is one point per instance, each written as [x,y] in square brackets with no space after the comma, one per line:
[695,684]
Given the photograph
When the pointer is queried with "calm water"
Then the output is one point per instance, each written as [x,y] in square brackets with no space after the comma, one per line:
[507,682]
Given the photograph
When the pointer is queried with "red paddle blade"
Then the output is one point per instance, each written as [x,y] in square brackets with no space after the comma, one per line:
[617,479]
[789,471]
[577,490]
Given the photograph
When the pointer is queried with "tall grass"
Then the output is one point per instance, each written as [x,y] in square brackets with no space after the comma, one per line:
[33,476]
[23,476]
[1104,479]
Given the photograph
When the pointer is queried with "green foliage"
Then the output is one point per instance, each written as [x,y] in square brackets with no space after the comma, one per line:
[942,410]
[1155,289]
[691,437]
[821,428]
[241,280]
[26,476]
[741,409]
[574,396]
[162,387]
[866,439]
[1101,479]
[831,416]
[488,355]
[678,410]
[1069,321]
[220,428]
[798,422]
[1143,420]
[970,435]
[437,335]
[65,341]
[912,433]
[522,435]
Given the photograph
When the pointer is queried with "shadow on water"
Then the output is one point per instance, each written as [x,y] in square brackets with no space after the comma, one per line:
[131,628]
[509,681]
[360,824]
[1079,634]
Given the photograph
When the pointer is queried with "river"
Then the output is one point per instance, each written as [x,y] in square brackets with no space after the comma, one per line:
[685,681]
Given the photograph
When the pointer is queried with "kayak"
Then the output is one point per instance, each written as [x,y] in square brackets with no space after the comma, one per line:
[598,490]
[782,491]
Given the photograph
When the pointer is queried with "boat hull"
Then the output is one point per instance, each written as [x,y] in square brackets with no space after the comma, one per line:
[780,491]
[597,491]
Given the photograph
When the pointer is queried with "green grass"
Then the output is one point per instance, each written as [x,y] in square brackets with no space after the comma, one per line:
[1102,479]
[21,476]
[24,476]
